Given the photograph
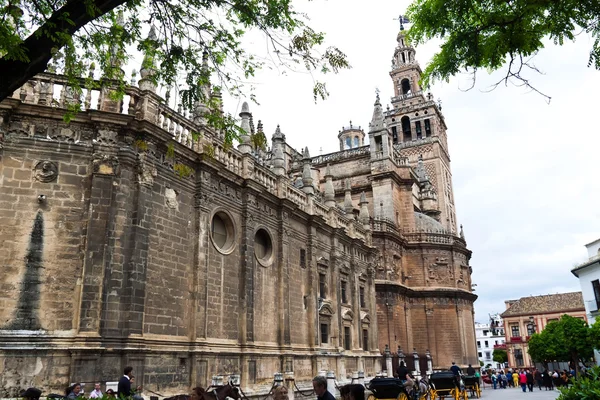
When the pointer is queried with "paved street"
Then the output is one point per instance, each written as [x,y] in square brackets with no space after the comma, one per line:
[517,394]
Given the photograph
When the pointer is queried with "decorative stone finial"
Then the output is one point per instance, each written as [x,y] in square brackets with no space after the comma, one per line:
[245,143]
[377,121]
[462,233]
[329,189]
[307,180]
[147,70]
[363,215]
[348,207]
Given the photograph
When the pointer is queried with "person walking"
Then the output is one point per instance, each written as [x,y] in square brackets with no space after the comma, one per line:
[523,381]
[529,380]
[74,391]
[96,393]
[320,387]
[124,387]
[515,378]
[494,380]
[538,378]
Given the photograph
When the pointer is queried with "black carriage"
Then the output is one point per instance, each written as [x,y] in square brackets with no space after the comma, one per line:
[472,383]
[446,384]
[387,389]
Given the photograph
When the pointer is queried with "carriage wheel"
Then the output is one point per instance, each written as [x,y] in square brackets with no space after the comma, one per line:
[464,395]
[454,393]
[478,390]
[402,396]
[432,393]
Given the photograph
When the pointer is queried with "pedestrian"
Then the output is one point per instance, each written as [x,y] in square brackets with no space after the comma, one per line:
[529,380]
[471,371]
[110,393]
[281,393]
[509,379]
[137,392]
[96,393]
[74,391]
[349,392]
[547,379]
[320,387]
[404,376]
[538,378]
[503,379]
[124,387]
[31,394]
[523,381]
[494,380]
[515,378]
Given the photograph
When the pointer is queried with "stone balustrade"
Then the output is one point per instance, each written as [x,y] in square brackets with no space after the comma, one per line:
[54,90]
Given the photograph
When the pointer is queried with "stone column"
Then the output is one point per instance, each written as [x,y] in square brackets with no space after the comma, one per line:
[100,215]
[331,383]
[388,360]
[417,371]
[429,363]
[289,384]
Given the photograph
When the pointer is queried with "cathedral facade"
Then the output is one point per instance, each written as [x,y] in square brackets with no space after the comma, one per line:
[128,240]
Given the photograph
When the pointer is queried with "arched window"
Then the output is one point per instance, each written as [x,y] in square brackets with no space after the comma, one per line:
[356,142]
[405,84]
[406,133]
[427,128]
[403,58]
[348,143]
[418,129]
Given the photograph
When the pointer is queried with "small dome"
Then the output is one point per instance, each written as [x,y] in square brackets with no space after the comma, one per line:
[426,223]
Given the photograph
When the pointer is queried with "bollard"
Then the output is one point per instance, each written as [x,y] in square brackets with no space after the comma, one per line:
[354,377]
[378,375]
[361,377]
[235,380]
[400,355]
[384,374]
[217,381]
[417,371]
[429,363]
[388,361]
[331,382]
[289,383]
[278,378]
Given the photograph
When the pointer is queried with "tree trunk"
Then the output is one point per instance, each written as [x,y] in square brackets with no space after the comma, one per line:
[39,45]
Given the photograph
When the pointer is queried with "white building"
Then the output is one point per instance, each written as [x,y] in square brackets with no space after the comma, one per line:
[488,337]
[589,279]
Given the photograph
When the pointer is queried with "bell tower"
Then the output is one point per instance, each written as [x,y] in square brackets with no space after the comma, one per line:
[418,129]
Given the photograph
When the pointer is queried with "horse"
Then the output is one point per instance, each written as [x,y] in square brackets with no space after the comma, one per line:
[217,393]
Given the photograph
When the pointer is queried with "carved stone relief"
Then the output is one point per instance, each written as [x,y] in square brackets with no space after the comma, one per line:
[105,164]
[45,171]
[171,199]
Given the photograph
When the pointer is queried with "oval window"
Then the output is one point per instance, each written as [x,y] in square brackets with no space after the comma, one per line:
[263,246]
[222,232]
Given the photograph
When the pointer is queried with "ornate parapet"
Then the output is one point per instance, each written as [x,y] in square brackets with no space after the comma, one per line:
[152,123]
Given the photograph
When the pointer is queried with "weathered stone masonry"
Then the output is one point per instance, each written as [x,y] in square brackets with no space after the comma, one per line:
[126,242]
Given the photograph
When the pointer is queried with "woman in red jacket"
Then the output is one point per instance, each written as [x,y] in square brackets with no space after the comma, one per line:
[523,381]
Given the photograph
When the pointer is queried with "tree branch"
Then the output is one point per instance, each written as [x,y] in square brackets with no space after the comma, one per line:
[65,22]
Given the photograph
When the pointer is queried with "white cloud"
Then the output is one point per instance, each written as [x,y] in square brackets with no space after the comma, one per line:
[525,172]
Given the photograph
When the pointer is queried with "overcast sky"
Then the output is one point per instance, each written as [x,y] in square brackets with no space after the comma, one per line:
[525,172]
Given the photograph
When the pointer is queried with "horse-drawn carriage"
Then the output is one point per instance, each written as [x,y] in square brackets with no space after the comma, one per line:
[446,384]
[472,384]
[387,389]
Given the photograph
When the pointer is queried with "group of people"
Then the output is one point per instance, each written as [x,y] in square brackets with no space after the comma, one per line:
[527,378]
[125,388]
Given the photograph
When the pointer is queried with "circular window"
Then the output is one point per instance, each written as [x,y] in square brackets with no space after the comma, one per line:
[222,232]
[263,247]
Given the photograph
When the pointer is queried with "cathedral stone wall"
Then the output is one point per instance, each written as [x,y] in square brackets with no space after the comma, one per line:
[110,259]
[129,241]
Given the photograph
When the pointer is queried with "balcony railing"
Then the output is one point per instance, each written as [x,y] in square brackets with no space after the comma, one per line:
[500,346]
[516,339]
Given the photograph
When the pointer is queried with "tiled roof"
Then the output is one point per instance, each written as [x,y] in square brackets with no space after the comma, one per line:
[546,303]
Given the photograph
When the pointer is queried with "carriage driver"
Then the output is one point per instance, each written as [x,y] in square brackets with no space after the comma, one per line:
[404,376]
